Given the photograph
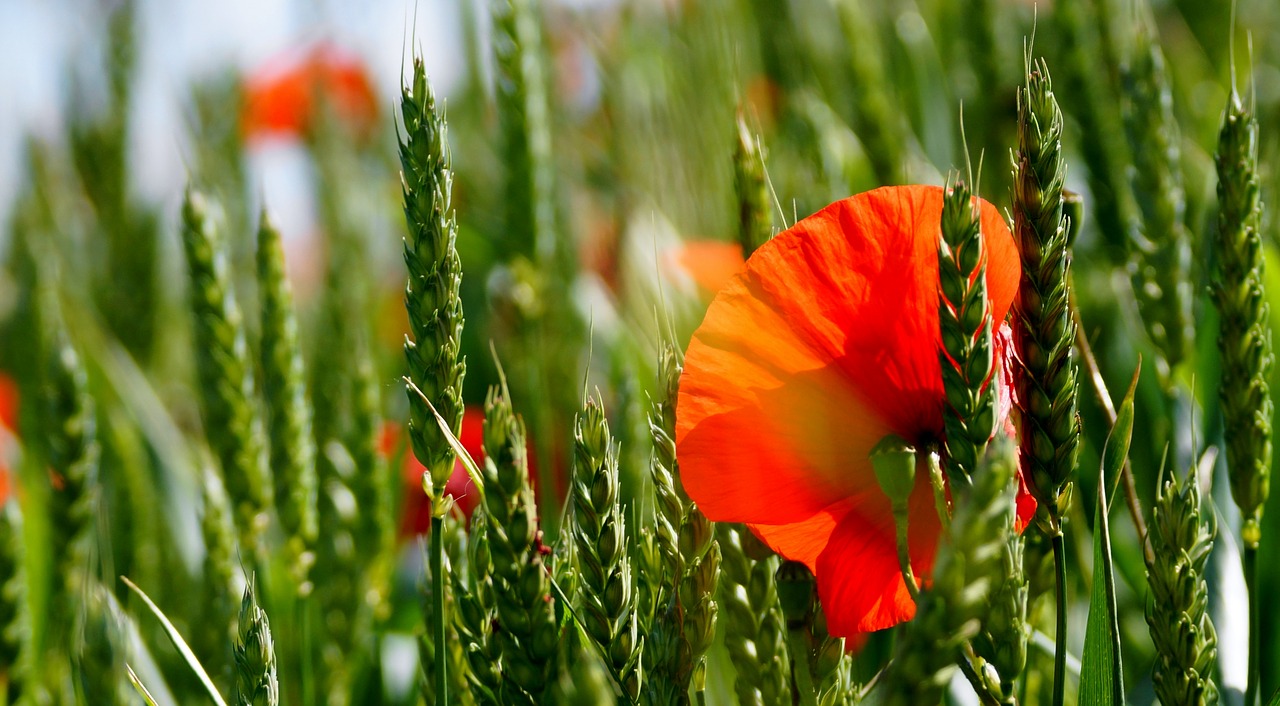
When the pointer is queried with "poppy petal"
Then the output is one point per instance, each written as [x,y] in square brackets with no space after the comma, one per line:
[816,351]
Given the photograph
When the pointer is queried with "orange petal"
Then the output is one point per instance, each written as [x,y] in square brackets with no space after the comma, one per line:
[710,263]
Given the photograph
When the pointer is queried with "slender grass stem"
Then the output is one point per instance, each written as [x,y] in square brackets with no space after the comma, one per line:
[1060,647]
[1250,558]
[437,600]
[904,562]
[1104,398]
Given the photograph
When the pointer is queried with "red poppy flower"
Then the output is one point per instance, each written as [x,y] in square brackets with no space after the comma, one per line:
[826,343]
[283,97]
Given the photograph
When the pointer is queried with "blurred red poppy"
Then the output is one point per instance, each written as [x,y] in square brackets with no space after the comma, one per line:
[826,343]
[8,427]
[285,96]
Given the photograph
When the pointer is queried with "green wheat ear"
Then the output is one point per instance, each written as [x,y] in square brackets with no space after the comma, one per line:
[602,548]
[1244,338]
[755,222]
[14,611]
[966,356]
[292,454]
[949,611]
[526,618]
[1161,250]
[1177,610]
[754,632]
[1044,331]
[228,401]
[435,275]
[255,655]
[683,581]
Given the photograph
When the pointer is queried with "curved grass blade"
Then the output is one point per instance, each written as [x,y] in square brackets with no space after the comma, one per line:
[1101,671]
[178,643]
[139,687]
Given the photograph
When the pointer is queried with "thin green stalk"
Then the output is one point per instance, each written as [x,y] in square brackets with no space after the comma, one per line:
[1250,557]
[1060,644]
[437,599]
[798,642]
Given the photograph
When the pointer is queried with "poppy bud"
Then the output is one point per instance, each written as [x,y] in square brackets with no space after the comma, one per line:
[894,461]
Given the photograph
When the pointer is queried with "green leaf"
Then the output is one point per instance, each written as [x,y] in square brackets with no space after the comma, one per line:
[139,687]
[1275,699]
[1101,673]
[178,643]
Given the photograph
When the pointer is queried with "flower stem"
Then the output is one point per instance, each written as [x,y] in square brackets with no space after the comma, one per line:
[1060,648]
[1249,556]
[437,599]
[801,675]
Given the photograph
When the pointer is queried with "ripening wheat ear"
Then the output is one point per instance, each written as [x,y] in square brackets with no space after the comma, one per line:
[602,548]
[754,634]
[255,655]
[228,401]
[14,613]
[292,453]
[1044,332]
[684,581]
[964,312]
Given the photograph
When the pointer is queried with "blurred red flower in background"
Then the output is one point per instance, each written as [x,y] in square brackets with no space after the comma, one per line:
[285,96]
[8,430]
[823,345]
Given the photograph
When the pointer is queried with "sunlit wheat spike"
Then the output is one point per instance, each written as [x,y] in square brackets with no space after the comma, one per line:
[1244,338]
[1161,249]
[101,650]
[292,454]
[435,275]
[527,632]
[683,582]
[949,610]
[228,400]
[753,629]
[255,655]
[755,216]
[1044,330]
[602,548]
[967,354]
[1177,609]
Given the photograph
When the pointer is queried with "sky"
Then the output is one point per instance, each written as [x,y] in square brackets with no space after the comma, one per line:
[44,42]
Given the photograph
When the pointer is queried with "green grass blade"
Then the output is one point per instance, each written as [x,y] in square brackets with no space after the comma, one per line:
[139,687]
[1101,671]
[178,643]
